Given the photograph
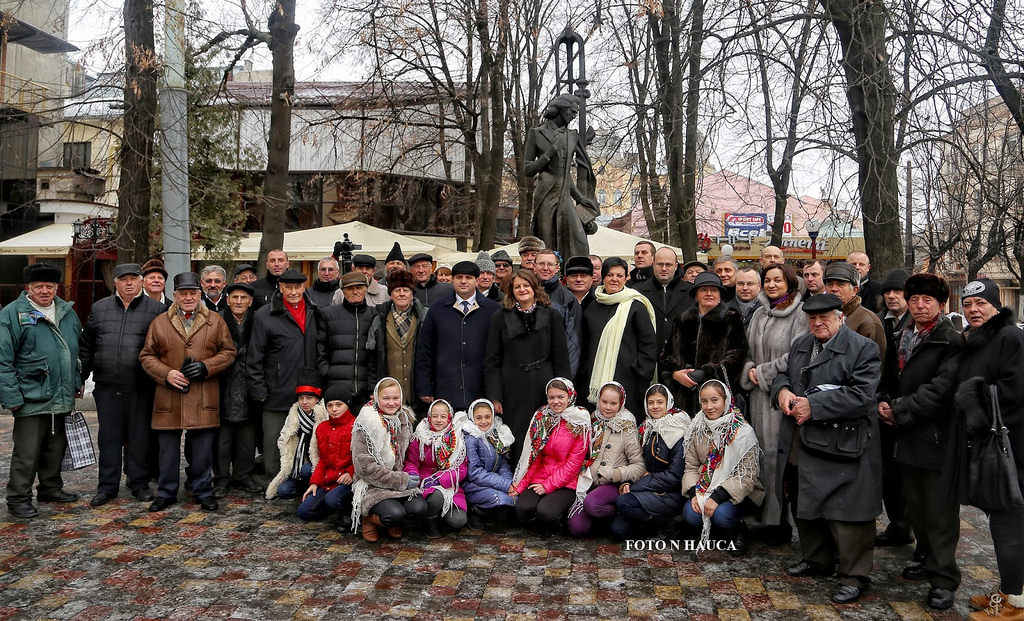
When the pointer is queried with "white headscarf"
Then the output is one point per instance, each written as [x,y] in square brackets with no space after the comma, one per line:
[544,422]
[378,428]
[499,431]
[671,427]
[715,433]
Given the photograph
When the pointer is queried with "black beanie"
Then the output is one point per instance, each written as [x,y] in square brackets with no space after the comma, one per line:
[982,288]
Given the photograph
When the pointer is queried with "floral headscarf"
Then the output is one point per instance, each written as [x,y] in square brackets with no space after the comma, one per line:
[544,422]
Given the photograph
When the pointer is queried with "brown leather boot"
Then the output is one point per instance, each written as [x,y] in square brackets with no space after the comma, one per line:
[980,602]
[999,608]
[370,524]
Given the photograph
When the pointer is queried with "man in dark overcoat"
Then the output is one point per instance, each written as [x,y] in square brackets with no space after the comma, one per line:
[833,466]
[917,413]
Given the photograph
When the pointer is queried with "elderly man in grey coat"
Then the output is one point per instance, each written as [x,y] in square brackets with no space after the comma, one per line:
[833,467]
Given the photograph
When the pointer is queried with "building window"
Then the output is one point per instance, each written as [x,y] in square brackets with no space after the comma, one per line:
[618,196]
[77,155]
[602,197]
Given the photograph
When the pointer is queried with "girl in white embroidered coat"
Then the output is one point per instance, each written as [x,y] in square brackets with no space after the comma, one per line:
[380,438]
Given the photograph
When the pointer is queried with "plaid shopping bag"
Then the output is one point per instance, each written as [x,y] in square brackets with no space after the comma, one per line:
[79,452]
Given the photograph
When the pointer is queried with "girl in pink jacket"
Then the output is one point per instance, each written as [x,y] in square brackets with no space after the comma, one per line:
[437,454]
[546,479]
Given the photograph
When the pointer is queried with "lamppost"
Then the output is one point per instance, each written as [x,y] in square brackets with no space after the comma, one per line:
[813,226]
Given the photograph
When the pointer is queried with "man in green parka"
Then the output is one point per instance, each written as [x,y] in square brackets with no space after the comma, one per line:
[39,380]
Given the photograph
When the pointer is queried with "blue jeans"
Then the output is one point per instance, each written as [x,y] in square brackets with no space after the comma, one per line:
[323,503]
[293,488]
[726,517]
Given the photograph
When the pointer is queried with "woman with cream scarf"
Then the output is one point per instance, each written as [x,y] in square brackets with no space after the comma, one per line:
[721,478]
[619,339]
[488,443]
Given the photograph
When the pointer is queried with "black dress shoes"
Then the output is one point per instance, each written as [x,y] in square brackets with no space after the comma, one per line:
[915,571]
[59,496]
[808,568]
[24,510]
[101,498]
[846,594]
[208,503]
[160,504]
[143,494]
[886,538]
[940,598]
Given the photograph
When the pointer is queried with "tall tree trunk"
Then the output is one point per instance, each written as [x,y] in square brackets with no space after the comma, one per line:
[994,65]
[489,176]
[684,203]
[871,95]
[136,153]
[275,186]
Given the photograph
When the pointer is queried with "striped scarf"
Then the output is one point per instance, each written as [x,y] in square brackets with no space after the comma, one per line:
[306,422]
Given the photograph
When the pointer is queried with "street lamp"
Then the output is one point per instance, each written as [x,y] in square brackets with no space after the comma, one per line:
[813,226]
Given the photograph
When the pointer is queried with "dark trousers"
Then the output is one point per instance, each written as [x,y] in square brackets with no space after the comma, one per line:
[236,451]
[39,445]
[391,511]
[273,422]
[892,487]
[199,445]
[934,515]
[848,545]
[124,429]
[549,508]
[430,508]
[1007,528]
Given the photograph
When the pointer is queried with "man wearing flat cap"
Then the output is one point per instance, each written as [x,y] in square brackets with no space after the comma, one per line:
[186,348]
[375,293]
[342,356]
[502,266]
[283,341]
[111,341]
[829,455]
[154,281]
[428,289]
[452,342]
[843,281]
[39,379]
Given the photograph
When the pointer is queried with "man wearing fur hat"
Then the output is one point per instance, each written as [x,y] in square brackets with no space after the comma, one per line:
[394,332]
[916,413]
[529,246]
[40,377]
[186,348]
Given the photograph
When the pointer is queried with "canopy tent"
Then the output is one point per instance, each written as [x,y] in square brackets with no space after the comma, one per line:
[52,240]
[605,243]
[315,244]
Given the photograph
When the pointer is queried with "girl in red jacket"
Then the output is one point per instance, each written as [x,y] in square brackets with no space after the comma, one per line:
[330,485]
[556,444]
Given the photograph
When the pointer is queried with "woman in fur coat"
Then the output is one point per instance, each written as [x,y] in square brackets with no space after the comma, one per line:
[770,334]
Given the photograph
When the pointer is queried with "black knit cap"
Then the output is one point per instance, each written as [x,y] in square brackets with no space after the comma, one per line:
[895,280]
[927,284]
[336,392]
[983,288]
[395,254]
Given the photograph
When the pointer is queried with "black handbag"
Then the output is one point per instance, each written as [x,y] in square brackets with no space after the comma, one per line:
[993,484]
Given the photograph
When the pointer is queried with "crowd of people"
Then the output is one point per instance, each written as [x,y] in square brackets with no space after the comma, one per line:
[482,394]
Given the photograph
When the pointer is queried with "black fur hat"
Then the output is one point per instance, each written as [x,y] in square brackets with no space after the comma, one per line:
[927,284]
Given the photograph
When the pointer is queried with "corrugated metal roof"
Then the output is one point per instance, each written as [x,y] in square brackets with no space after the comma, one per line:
[338,95]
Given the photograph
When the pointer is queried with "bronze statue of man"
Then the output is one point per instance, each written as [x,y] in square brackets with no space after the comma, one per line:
[563,208]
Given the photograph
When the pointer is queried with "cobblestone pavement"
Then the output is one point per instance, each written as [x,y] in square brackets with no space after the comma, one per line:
[256,560]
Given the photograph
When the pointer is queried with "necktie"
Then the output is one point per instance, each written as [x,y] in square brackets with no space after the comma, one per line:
[465,307]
